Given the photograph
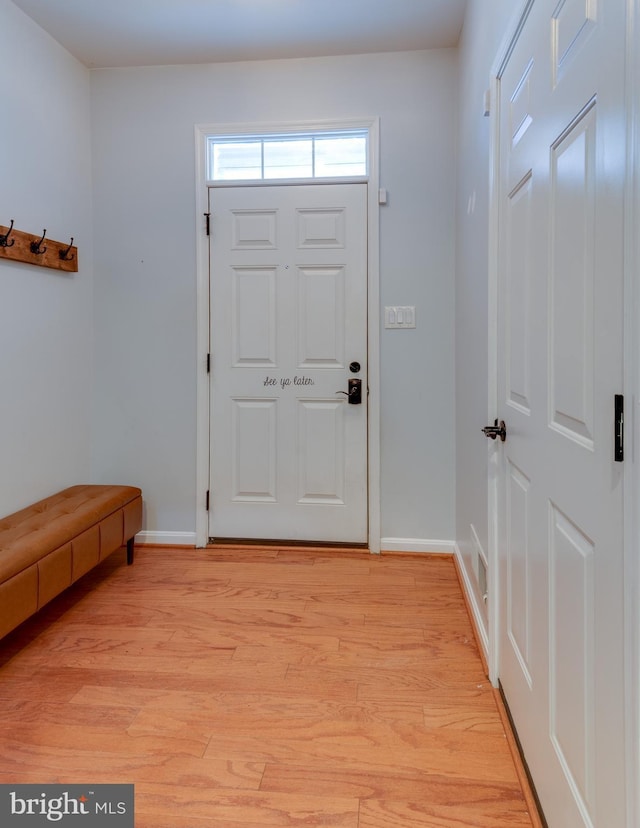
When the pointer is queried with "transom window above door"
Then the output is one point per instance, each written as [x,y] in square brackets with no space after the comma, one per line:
[290,156]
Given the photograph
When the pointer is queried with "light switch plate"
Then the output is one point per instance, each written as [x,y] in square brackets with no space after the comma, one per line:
[400,316]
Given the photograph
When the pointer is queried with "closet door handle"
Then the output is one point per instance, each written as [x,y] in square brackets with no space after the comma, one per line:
[494,431]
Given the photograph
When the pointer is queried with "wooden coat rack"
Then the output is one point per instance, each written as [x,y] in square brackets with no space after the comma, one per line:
[37,250]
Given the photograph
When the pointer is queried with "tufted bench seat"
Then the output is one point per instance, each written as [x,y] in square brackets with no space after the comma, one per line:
[50,544]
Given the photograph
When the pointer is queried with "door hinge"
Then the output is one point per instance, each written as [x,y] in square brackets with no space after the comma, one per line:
[208,363]
[618,442]
[207,500]
[208,223]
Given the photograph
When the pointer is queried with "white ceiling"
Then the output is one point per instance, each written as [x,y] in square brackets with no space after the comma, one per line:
[103,33]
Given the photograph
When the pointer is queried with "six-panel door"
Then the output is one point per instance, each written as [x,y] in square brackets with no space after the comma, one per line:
[288,319]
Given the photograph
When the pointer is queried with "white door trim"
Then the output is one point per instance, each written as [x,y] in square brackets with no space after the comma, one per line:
[631,383]
[631,344]
[202,310]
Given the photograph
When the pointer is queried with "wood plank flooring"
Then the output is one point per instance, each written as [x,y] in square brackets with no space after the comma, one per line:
[247,687]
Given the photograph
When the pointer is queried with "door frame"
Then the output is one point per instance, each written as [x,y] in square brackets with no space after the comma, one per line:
[631,382]
[203,305]
[631,344]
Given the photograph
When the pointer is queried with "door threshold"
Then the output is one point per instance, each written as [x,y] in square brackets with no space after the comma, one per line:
[286,544]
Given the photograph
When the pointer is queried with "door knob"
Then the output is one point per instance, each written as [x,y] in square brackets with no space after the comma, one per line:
[496,430]
[355,391]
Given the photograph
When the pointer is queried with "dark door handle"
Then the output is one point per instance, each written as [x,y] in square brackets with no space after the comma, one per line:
[496,431]
[355,391]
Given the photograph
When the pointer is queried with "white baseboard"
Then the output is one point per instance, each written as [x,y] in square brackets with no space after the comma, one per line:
[446,547]
[166,538]
[472,600]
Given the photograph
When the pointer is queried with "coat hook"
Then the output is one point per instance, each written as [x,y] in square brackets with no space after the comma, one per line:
[4,240]
[36,246]
[64,254]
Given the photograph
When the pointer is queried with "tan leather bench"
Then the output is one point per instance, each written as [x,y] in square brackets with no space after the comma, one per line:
[50,544]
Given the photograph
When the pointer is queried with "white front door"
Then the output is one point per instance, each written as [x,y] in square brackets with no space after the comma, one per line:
[288,276]
[560,316]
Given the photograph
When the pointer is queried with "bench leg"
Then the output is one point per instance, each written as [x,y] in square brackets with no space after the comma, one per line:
[130,551]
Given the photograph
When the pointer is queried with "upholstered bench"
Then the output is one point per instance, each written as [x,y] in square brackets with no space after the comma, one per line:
[50,544]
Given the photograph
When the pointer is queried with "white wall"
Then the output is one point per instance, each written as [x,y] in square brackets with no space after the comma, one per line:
[485,25]
[144,195]
[45,317]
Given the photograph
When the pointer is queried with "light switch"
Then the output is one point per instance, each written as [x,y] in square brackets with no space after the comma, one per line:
[400,316]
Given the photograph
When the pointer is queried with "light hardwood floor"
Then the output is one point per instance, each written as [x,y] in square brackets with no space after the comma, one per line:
[246,687]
